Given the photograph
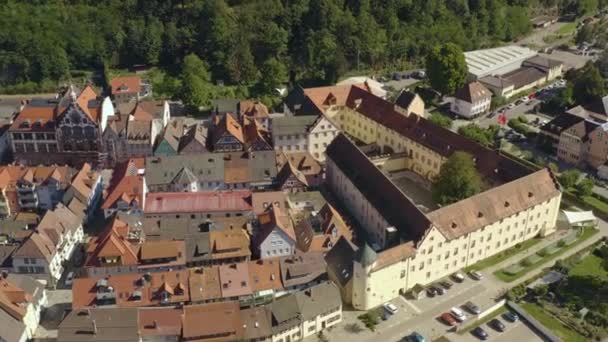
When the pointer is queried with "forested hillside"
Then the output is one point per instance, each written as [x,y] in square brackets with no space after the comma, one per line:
[255,44]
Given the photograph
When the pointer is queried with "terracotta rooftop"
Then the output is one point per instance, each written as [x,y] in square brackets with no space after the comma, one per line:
[198,202]
[13,300]
[129,190]
[265,274]
[262,200]
[274,218]
[492,205]
[125,84]
[160,321]
[133,290]
[234,279]
[222,322]
[205,284]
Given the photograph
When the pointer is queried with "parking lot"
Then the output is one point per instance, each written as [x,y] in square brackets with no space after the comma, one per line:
[518,331]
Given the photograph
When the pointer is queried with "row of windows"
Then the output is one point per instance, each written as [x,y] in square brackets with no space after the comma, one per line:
[31,147]
[31,136]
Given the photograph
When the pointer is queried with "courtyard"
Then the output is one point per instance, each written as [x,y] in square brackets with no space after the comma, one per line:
[415,188]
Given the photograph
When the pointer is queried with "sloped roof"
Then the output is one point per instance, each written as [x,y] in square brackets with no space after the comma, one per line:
[129,189]
[489,206]
[388,199]
[125,84]
[221,319]
[339,260]
[473,92]
[272,218]
[198,202]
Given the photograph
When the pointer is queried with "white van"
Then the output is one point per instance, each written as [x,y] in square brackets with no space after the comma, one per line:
[458,314]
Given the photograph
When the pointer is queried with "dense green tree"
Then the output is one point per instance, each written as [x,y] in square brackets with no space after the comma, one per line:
[569,178]
[273,76]
[584,35]
[584,187]
[196,91]
[588,84]
[446,68]
[458,179]
[441,120]
[478,134]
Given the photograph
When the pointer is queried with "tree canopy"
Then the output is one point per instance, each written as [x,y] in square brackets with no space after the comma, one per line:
[446,68]
[253,44]
[457,179]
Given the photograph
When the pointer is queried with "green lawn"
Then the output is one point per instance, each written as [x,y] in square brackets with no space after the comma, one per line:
[596,203]
[507,278]
[495,259]
[591,265]
[553,324]
[482,321]
[567,28]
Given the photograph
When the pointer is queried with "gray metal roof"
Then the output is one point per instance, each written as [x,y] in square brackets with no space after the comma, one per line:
[318,299]
[487,61]
[207,166]
[292,124]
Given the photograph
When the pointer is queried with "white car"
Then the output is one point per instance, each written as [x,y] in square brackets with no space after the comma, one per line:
[390,307]
[69,279]
[476,275]
[511,105]
[458,277]
[458,314]
[525,99]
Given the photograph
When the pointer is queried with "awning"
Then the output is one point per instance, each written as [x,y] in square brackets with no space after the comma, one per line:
[574,217]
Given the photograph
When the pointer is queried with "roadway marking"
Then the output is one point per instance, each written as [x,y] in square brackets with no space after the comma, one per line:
[411,305]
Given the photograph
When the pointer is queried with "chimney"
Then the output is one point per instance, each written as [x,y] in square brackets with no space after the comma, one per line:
[94,327]
[155,324]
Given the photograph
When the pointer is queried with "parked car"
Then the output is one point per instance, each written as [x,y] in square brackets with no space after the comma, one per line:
[474,309]
[497,325]
[480,333]
[458,314]
[511,105]
[69,279]
[420,74]
[446,284]
[458,277]
[476,275]
[416,337]
[524,99]
[440,290]
[511,316]
[431,291]
[448,319]
[396,76]
[492,114]
[390,307]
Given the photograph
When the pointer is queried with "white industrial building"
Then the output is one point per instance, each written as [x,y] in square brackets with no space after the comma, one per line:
[496,61]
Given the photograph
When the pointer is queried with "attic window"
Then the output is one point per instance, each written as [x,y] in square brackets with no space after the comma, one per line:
[507,204]
[530,194]
[480,214]
[454,225]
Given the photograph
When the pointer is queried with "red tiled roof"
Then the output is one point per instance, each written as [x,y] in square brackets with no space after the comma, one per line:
[197,202]
[129,189]
[125,84]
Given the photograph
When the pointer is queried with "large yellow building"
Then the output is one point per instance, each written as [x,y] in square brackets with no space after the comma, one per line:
[410,247]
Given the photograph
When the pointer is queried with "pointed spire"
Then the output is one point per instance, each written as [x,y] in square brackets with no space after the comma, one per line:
[366,255]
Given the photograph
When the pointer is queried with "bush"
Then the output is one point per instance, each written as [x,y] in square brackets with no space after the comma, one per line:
[370,319]
[561,243]
[526,262]
[569,178]
[584,188]
[441,120]
[543,252]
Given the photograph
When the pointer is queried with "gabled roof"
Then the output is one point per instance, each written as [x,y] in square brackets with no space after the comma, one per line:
[129,189]
[125,84]
[13,300]
[100,324]
[83,182]
[489,206]
[228,125]
[112,243]
[253,108]
[274,218]
[473,92]
[84,99]
[382,194]
[289,170]
[339,260]
[405,99]
[38,245]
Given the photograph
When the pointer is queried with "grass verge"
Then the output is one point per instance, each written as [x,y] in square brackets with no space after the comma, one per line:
[507,253]
[507,278]
[567,28]
[484,320]
[591,265]
[553,324]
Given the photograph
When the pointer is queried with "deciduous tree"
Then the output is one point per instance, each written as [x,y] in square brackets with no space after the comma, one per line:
[457,179]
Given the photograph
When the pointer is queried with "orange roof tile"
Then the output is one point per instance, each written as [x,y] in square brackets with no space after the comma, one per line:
[265,275]
[125,84]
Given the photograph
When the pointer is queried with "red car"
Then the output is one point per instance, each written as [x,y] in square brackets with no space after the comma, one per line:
[448,319]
